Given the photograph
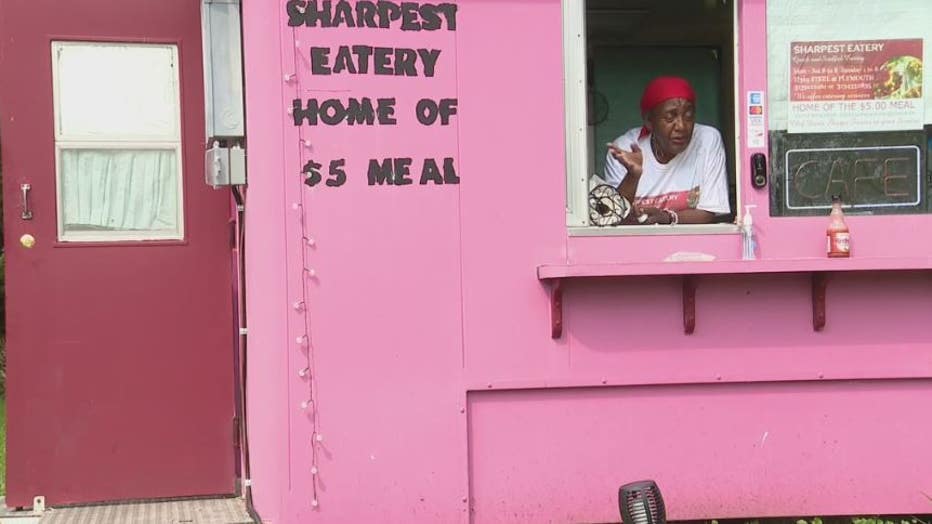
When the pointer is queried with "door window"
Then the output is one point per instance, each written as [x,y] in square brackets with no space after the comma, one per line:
[117,141]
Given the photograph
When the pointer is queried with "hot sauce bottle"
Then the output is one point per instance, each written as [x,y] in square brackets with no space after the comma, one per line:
[839,238]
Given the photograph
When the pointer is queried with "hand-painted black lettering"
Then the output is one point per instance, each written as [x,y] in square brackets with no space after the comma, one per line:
[449,172]
[313,15]
[343,14]
[382,59]
[382,14]
[344,60]
[447,110]
[430,21]
[449,14]
[312,172]
[429,58]
[363,52]
[386,111]
[388,13]
[410,19]
[360,112]
[299,113]
[355,111]
[295,10]
[337,174]
[431,173]
[405,62]
[332,112]
[381,172]
[426,111]
[365,14]
[402,171]
[320,58]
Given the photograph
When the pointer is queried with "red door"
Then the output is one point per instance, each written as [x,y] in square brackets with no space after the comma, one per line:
[119,317]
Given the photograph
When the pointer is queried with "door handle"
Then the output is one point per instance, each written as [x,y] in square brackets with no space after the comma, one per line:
[27,213]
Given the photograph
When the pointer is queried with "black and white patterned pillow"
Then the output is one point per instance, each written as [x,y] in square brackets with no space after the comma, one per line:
[607,207]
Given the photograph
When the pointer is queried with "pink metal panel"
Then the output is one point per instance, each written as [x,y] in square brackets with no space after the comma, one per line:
[383,302]
[423,293]
[513,214]
[267,299]
[748,328]
[725,450]
[752,64]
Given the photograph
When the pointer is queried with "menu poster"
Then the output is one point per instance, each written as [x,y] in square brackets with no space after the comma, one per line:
[855,85]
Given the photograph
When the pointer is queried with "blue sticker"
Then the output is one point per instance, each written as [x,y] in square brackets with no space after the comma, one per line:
[755,98]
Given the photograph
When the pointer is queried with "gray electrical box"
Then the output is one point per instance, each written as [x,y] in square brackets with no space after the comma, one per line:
[225,166]
[223,68]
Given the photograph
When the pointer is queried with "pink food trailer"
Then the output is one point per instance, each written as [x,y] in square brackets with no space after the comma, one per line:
[437,324]
[437,334]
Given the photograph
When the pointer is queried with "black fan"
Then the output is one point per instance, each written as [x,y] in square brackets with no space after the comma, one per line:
[641,503]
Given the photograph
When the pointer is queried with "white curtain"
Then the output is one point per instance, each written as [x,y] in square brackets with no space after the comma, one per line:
[119,190]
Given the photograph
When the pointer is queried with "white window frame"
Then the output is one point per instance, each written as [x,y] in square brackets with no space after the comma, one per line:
[140,142]
[577,139]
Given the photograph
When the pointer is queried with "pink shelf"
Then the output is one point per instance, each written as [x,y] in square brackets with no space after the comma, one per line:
[556,274]
[728,267]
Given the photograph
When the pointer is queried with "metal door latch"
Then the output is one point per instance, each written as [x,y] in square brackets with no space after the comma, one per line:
[27,213]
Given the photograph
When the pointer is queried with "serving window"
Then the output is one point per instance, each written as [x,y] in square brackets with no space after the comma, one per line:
[822,98]
[613,49]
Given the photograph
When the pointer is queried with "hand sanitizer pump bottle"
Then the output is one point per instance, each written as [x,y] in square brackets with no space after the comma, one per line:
[748,240]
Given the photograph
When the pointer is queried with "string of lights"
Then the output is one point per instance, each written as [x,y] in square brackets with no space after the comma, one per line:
[304,343]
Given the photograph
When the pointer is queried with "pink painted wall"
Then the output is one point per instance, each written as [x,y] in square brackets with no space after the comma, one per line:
[268,411]
[439,395]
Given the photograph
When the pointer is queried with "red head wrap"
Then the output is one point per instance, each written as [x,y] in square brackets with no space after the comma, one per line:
[661,89]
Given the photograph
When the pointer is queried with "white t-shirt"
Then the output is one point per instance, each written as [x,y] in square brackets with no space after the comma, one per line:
[694,179]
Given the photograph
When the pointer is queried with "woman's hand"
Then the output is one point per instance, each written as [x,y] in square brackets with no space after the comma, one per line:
[654,215]
[632,160]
